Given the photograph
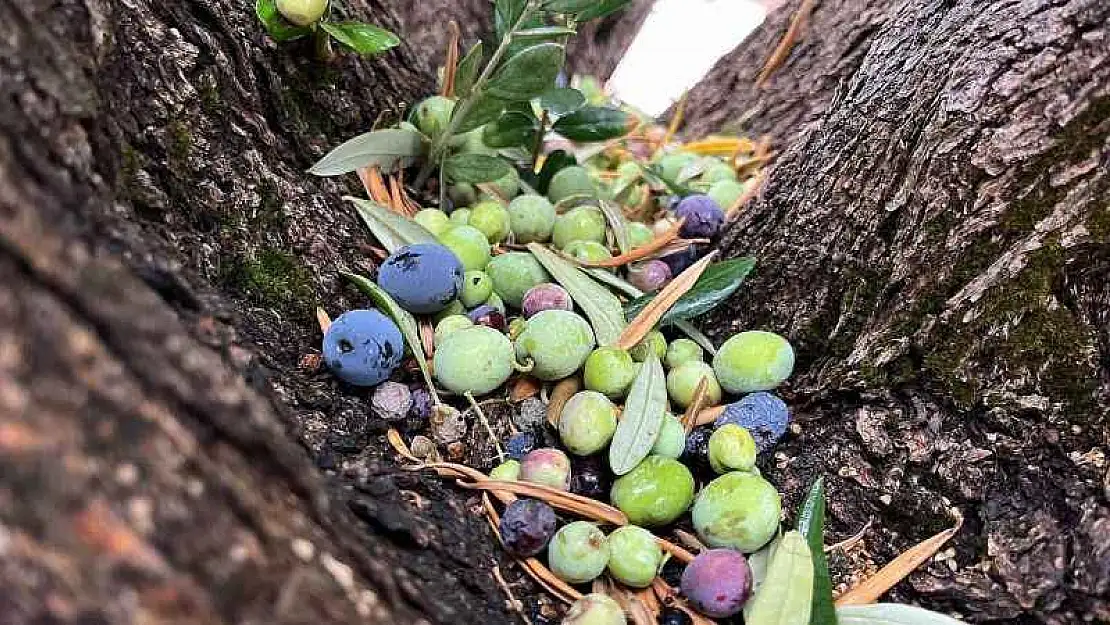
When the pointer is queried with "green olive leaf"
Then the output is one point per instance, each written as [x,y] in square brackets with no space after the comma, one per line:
[594,123]
[481,111]
[562,100]
[543,32]
[390,149]
[506,13]
[716,284]
[393,231]
[475,168]
[602,308]
[811,524]
[468,69]
[617,223]
[642,419]
[404,320]
[891,614]
[786,593]
[567,6]
[365,39]
[279,29]
[511,129]
[602,8]
[621,285]
[527,73]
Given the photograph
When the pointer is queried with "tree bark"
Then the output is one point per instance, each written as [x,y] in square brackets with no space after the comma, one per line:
[937,247]
[424,26]
[830,45]
[599,45]
[161,255]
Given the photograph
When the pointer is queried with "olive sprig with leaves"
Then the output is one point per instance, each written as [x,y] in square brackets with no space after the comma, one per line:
[497,110]
[288,20]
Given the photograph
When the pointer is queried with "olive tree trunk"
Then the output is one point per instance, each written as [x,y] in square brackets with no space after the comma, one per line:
[935,240]
[161,255]
[829,45]
[600,44]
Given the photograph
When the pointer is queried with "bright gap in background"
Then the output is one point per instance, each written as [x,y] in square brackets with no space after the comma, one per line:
[677,45]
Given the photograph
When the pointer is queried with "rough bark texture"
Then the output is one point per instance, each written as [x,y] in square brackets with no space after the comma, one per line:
[142,479]
[937,246]
[601,44]
[833,42]
[424,25]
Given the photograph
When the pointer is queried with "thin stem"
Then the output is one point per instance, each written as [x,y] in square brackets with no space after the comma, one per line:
[464,106]
[486,425]
[538,145]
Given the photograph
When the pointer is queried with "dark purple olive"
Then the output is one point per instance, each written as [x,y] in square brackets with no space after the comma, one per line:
[486,315]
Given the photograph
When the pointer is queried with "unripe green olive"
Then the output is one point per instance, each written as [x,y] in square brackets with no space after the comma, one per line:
[738,510]
[683,380]
[491,219]
[731,448]
[653,342]
[432,115]
[302,12]
[681,351]
[672,438]
[508,471]
[587,423]
[635,556]
[609,370]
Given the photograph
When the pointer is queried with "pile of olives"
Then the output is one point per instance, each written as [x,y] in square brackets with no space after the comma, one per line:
[498,313]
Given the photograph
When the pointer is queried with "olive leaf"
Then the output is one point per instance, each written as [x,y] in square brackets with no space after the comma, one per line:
[279,29]
[527,73]
[393,231]
[786,593]
[618,283]
[362,38]
[388,149]
[717,284]
[567,6]
[468,69]
[562,100]
[594,123]
[617,223]
[602,308]
[543,32]
[511,129]
[475,168]
[404,320]
[642,419]
[891,614]
[483,110]
[506,13]
[655,177]
[602,8]
[811,524]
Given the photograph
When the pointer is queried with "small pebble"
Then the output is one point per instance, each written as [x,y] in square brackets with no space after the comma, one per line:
[391,401]
[532,414]
[448,424]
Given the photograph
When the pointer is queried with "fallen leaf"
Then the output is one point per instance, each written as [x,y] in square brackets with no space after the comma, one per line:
[651,314]
[873,587]
[562,392]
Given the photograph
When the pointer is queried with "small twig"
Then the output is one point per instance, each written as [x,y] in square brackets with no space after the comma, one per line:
[696,404]
[676,121]
[485,424]
[537,146]
[851,541]
[514,603]
[709,415]
[398,444]
[786,44]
